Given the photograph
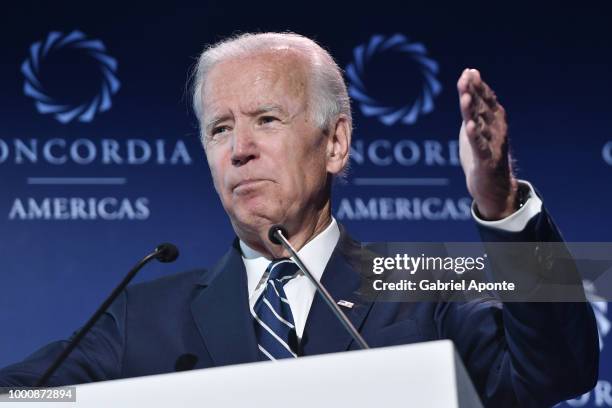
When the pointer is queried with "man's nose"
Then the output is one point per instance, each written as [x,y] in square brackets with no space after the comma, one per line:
[244,145]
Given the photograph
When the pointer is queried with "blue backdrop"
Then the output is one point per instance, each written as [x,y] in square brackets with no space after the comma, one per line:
[100,159]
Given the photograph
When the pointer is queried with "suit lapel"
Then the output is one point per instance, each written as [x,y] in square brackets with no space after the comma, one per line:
[323,332]
[221,312]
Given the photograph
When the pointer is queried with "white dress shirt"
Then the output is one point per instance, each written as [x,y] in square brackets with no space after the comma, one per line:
[300,292]
[316,253]
[518,220]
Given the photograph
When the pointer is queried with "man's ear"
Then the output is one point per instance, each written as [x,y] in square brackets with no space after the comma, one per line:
[338,145]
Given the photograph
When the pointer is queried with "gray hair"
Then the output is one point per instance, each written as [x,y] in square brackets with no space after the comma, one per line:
[329,97]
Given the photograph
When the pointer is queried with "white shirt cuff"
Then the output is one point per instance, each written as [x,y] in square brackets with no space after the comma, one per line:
[517,221]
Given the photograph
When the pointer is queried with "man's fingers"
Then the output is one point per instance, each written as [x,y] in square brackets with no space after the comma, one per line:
[483,116]
[471,82]
[476,98]
[462,83]
[481,128]
[465,105]
[485,112]
[477,139]
[473,107]
[470,128]
[489,97]
[483,90]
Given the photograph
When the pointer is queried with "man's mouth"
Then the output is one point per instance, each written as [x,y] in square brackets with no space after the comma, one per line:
[248,184]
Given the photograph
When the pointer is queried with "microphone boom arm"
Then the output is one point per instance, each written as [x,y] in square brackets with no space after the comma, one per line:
[164,253]
[277,232]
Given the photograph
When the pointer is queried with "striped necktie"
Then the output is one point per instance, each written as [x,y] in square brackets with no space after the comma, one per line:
[273,320]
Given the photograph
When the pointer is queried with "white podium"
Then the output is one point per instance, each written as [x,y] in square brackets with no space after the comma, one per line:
[424,375]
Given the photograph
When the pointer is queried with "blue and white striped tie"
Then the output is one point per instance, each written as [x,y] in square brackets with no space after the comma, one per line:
[274,325]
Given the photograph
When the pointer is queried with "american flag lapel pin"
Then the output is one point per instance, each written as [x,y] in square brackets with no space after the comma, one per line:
[346,303]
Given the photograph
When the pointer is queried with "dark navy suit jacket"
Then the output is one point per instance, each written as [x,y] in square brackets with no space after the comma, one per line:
[521,354]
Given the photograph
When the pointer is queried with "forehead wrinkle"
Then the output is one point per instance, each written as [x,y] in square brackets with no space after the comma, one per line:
[264,108]
[282,68]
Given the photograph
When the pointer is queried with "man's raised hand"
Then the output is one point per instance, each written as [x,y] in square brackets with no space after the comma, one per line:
[483,148]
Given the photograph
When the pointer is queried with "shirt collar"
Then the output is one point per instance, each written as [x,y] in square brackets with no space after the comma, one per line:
[315,255]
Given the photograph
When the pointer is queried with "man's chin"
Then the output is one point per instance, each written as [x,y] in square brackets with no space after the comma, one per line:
[255,223]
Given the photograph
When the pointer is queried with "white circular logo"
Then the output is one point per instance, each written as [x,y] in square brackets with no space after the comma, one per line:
[389,115]
[63,111]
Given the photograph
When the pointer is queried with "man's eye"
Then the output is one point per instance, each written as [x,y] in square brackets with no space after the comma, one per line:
[219,129]
[267,119]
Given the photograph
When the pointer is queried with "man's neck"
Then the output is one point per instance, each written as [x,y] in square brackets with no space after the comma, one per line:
[298,237]
[328,238]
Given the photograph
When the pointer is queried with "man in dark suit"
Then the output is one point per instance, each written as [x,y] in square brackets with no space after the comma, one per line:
[276,128]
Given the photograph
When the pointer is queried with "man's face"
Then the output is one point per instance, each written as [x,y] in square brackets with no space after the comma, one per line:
[266,156]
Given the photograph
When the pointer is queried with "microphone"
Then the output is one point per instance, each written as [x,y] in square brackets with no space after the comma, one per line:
[274,230]
[278,235]
[165,253]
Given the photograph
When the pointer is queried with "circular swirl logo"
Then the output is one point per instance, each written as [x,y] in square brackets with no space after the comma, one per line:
[86,110]
[386,114]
